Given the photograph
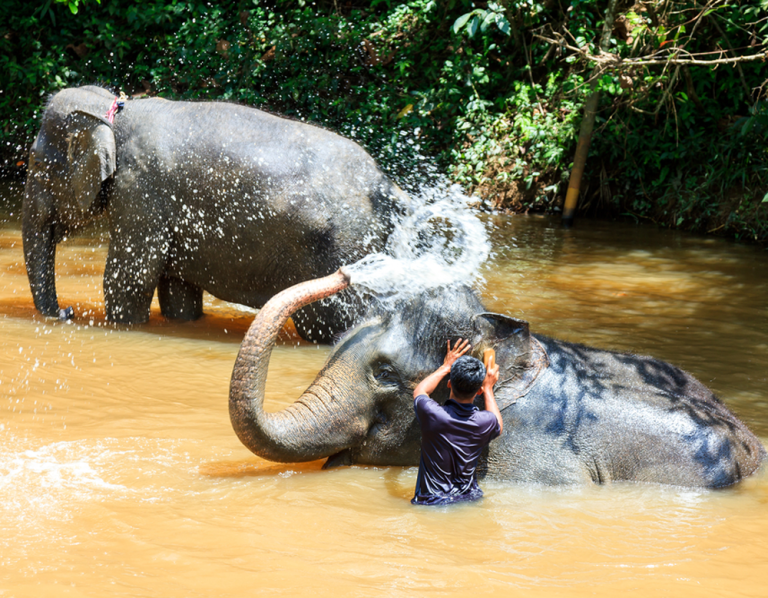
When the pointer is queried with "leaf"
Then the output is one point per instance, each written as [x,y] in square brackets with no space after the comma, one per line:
[44,9]
[490,17]
[503,24]
[460,22]
[404,111]
[472,28]
[765,198]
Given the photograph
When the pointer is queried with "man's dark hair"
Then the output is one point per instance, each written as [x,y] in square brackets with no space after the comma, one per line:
[467,375]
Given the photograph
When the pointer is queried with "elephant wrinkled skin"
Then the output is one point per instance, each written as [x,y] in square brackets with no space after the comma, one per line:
[200,196]
[572,414]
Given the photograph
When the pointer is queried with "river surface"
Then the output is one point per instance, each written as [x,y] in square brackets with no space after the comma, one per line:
[120,474]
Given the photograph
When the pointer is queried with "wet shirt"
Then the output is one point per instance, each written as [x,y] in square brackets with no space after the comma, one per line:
[452,437]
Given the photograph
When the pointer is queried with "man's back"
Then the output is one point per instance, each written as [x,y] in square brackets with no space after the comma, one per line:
[452,437]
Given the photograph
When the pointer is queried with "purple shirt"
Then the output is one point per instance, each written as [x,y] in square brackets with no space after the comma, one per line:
[452,437]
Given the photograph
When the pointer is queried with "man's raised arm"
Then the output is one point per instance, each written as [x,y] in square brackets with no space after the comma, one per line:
[491,378]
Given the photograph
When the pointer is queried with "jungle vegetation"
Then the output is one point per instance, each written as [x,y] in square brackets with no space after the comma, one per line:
[489,93]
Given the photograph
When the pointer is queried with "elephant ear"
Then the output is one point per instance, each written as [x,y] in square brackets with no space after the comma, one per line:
[509,337]
[521,358]
[91,156]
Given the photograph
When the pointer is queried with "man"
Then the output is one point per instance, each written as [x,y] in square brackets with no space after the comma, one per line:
[453,435]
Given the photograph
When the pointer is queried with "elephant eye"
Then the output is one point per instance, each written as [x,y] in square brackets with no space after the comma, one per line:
[385,373]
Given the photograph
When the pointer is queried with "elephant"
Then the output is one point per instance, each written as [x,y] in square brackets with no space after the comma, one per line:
[572,414]
[201,196]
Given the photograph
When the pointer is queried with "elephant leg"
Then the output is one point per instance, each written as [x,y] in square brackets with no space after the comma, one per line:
[130,278]
[179,299]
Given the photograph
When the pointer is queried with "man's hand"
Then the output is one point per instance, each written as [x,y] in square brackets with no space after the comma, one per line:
[491,377]
[428,385]
[461,347]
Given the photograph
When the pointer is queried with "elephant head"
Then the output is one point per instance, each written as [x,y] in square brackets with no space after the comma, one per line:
[359,409]
[73,155]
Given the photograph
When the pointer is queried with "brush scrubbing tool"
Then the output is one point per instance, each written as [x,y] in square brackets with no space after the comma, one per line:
[489,358]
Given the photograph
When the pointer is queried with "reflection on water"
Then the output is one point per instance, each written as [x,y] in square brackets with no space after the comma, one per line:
[120,473]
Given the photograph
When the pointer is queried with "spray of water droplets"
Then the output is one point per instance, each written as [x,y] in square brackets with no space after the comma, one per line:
[440,241]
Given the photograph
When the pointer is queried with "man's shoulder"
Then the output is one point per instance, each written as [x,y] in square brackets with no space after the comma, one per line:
[482,415]
[425,403]
[428,407]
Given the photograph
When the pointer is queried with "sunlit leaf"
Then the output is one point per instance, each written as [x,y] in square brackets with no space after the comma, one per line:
[404,111]
[461,21]
[490,17]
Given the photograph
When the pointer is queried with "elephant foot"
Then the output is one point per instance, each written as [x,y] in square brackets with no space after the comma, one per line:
[118,314]
[66,314]
[179,300]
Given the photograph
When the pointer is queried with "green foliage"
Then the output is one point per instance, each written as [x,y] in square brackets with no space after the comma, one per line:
[45,9]
[482,18]
[686,146]
[469,86]
[72,4]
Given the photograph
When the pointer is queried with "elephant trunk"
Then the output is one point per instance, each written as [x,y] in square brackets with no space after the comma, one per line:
[38,234]
[317,425]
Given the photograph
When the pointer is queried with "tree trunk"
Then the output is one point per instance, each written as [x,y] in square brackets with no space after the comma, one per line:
[587,124]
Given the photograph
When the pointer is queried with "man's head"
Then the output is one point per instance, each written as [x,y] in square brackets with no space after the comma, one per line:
[467,375]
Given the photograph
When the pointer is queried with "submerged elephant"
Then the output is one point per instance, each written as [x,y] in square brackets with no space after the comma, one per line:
[200,196]
[572,414]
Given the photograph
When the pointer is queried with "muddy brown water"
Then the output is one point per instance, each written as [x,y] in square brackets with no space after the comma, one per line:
[120,474]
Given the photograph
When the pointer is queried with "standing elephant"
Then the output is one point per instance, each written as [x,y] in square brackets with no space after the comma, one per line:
[200,196]
[572,414]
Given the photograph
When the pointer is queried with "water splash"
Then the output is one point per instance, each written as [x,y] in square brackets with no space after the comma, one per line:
[439,242]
